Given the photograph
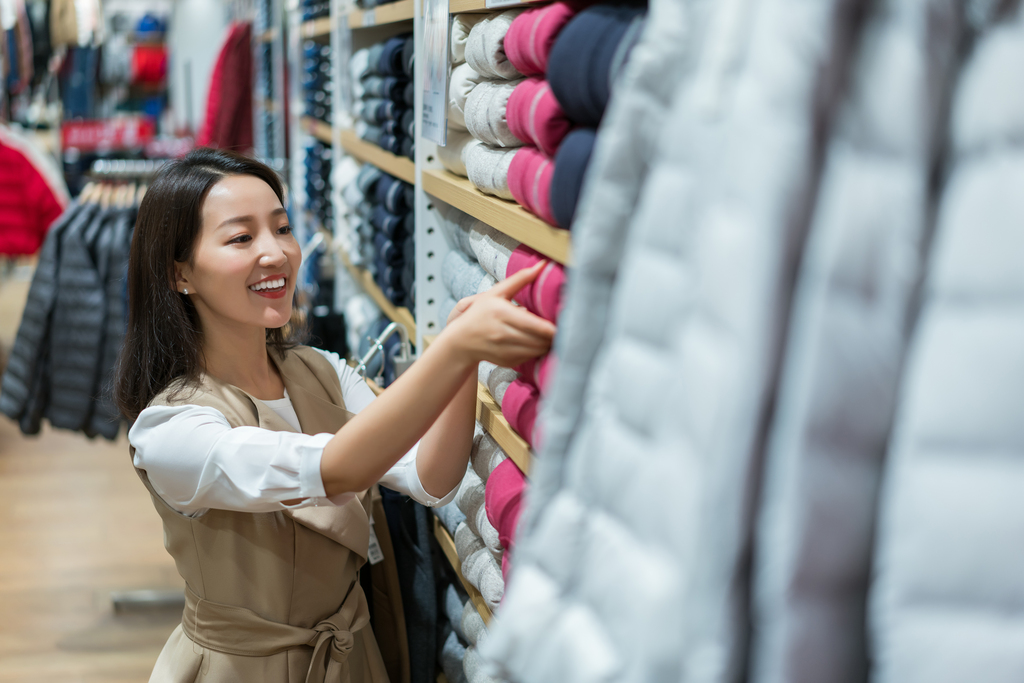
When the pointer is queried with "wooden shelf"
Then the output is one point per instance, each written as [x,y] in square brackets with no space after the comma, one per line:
[365,280]
[506,216]
[382,14]
[447,543]
[317,28]
[318,129]
[458,6]
[488,414]
[400,167]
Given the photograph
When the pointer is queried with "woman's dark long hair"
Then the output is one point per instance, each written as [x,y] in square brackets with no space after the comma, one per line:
[163,342]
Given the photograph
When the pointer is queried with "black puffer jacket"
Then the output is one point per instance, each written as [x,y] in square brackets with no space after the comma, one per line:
[25,386]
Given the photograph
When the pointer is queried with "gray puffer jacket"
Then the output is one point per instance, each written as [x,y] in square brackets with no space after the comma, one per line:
[947,603]
[852,315]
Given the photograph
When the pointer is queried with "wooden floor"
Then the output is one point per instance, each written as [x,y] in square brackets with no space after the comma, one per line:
[75,524]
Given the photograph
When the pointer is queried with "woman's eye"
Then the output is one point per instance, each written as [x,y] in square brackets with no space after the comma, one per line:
[284,230]
[240,239]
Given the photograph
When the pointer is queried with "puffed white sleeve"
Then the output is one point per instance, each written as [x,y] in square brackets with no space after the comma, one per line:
[404,476]
[196,461]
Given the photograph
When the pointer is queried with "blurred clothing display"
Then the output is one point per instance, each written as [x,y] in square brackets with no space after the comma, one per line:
[228,121]
[32,194]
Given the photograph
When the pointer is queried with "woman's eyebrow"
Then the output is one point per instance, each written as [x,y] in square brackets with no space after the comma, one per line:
[251,218]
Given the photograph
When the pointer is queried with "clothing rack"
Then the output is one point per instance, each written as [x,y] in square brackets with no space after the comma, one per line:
[125,169]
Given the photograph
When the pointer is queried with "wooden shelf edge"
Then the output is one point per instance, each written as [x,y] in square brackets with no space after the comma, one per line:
[505,216]
[458,6]
[389,13]
[488,414]
[365,280]
[400,167]
[321,130]
[317,28]
[447,543]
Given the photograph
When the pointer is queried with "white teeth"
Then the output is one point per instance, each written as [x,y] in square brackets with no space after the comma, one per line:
[269,284]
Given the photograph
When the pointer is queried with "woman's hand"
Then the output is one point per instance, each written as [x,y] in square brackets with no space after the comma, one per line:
[490,327]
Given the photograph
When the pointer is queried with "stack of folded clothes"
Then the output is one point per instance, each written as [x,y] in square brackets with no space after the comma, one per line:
[382,207]
[524,107]
[382,78]
[480,257]
[314,9]
[317,82]
[318,184]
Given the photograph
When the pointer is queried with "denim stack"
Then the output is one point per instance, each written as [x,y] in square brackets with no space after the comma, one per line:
[314,9]
[382,206]
[318,184]
[317,83]
[382,77]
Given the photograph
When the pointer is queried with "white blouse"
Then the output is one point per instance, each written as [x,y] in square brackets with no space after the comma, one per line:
[196,461]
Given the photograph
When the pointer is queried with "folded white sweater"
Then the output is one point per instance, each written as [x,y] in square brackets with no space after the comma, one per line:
[485,113]
[485,47]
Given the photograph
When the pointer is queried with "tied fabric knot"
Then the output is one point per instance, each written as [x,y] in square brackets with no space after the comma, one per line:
[331,647]
[239,631]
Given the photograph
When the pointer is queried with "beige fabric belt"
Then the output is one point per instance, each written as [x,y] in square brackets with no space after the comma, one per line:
[239,631]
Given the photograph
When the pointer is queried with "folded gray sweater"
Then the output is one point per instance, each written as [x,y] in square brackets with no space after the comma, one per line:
[485,47]
[492,249]
[487,168]
[484,113]
[462,82]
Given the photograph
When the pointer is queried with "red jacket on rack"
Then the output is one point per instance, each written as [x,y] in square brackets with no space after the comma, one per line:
[228,123]
[28,201]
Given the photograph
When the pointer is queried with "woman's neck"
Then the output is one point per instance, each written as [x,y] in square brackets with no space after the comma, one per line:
[240,357]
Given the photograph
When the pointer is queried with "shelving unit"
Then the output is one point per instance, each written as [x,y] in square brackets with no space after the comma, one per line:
[368,153]
[460,6]
[447,543]
[382,14]
[363,278]
[318,129]
[488,414]
[317,28]
[503,215]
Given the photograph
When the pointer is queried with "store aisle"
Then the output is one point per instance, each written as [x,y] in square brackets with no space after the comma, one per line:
[75,524]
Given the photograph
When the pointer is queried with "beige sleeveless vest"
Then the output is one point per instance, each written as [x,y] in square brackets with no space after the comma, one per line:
[272,596]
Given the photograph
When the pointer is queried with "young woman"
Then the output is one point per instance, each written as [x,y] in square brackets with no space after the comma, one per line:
[258,452]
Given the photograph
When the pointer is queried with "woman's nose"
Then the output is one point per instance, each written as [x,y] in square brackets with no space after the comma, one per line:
[271,253]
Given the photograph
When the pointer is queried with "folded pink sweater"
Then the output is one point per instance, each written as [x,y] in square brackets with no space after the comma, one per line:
[534,115]
[543,296]
[529,181]
[532,35]
[537,371]
[519,406]
[503,498]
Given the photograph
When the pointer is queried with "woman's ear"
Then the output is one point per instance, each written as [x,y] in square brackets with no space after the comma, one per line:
[181,282]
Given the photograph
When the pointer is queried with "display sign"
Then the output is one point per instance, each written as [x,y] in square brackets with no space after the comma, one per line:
[434,119]
[101,135]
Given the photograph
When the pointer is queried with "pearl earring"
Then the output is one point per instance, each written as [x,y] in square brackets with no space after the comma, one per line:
[185,291]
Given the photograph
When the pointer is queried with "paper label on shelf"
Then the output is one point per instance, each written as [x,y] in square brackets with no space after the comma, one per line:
[370,17]
[492,4]
[434,121]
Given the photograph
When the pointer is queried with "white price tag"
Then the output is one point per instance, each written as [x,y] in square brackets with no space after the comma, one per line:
[375,554]
[370,17]
[434,121]
[493,4]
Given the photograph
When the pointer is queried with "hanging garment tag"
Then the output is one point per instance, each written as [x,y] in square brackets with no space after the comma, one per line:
[434,119]
[375,554]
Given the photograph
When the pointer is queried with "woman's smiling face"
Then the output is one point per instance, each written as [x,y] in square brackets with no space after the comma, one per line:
[245,258]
